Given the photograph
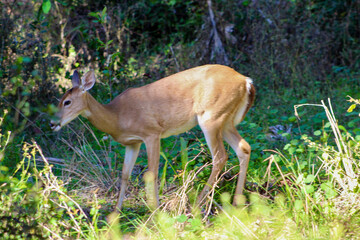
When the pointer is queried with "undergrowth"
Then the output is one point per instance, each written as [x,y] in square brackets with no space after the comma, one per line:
[310,190]
[302,180]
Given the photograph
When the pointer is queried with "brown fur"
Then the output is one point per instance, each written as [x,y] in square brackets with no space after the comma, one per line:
[211,96]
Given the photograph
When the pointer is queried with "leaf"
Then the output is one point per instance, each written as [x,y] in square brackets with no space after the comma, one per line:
[292,119]
[246,3]
[310,178]
[115,55]
[93,211]
[317,133]
[309,189]
[109,42]
[182,218]
[329,189]
[342,128]
[99,41]
[114,143]
[299,150]
[357,138]
[46,6]
[351,108]
[292,150]
[298,204]
[27,59]
[352,123]
[104,11]
[172,2]
[252,125]
[274,111]
[93,14]
[195,224]
[287,146]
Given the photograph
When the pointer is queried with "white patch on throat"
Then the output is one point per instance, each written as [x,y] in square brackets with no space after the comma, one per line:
[86,114]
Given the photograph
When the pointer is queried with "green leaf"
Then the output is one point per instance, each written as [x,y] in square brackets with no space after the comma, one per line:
[298,205]
[195,224]
[310,178]
[317,133]
[182,218]
[104,11]
[309,189]
[93,14]
[114,143]
[115,55]
[329,189]
[351,108]
[299,150]
[252,125]
[93,211]
[342,128]
[274,111]
[26,59]
[46,6]
[291,150]
[246,3]
[292,119]
[172,2]
[287,146]
[351,124]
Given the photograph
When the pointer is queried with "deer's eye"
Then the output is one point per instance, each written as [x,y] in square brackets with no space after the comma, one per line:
[67,103]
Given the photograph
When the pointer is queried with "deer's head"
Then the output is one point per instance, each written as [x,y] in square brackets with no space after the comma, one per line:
[74,102]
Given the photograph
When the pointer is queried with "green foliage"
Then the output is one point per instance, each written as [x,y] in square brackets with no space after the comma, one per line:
[46,6]
[35,204]
[296,51]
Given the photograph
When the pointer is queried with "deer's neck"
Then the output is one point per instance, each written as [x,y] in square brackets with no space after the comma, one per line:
[101,116]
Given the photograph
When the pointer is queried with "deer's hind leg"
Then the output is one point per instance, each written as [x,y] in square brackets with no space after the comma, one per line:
[242,150]
[212,129]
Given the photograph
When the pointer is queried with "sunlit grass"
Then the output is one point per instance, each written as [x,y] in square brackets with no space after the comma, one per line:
[308,191]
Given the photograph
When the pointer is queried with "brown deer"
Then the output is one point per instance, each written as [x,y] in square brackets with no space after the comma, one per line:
[215,97]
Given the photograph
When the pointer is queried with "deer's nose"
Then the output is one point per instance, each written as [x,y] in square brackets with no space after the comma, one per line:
[55,126]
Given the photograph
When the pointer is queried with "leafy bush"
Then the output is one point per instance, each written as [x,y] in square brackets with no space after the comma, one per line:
[35,204]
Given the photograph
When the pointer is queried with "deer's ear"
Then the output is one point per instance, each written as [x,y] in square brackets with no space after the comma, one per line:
[88,80]
[75,80]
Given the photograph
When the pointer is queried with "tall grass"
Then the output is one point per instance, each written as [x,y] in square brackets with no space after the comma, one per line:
[35,204]
[319,202]
[316,196]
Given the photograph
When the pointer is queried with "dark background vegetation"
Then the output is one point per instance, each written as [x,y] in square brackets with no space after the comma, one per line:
[303,49]
[295,51]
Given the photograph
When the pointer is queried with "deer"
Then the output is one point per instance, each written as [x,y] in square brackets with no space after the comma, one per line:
[215,97]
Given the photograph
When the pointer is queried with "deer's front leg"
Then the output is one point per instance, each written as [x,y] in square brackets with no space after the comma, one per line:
[151,177]
[131,153]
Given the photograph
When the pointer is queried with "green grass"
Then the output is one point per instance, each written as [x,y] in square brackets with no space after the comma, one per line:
[306,188]
[302,181]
